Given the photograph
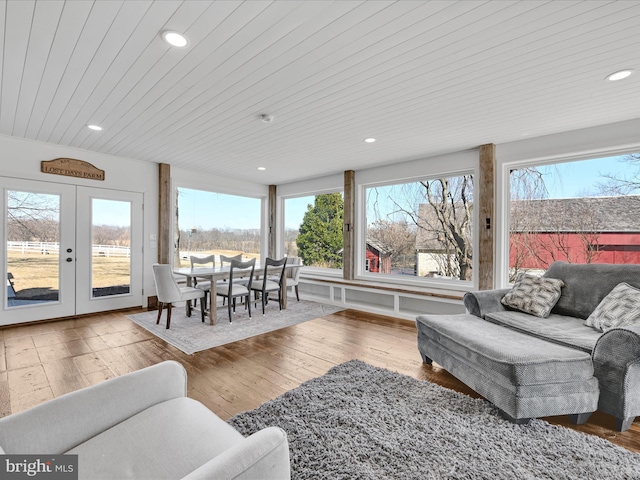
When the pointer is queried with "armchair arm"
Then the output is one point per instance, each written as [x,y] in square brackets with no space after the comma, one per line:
[60,424]
[261,456]
[616,364]
[486,301]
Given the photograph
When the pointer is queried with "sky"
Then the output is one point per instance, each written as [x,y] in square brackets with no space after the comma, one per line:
[206,210]
[580,178]
[111,212]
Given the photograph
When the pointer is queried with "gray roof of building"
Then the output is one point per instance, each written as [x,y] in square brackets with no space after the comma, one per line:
[586,214]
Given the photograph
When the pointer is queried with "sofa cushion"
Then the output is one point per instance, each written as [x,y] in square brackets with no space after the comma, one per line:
[533,294]
[587,284]
[181,434]
[620,308]
[560,329]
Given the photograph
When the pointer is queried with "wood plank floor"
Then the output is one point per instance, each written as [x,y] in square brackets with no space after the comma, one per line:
[45,360]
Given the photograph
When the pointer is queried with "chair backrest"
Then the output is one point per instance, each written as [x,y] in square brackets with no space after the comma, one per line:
[166,286]
[245,269]
[203,260]
[269,264]
[224,259]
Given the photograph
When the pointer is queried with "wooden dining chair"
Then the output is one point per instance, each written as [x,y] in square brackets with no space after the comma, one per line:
[270,283]
[231,290]
[204,285]
[169,292]
[227,260]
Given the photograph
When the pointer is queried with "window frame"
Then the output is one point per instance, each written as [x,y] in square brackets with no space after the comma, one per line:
[306,269]
[503,197]
[451,165]
[219,189]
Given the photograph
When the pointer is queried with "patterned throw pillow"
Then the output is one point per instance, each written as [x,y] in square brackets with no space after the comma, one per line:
[620,308]
[533,294]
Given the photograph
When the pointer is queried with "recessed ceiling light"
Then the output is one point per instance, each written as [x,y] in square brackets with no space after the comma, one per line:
[97,128]
[175,39]
[620,75]
[262,169]
[370,140]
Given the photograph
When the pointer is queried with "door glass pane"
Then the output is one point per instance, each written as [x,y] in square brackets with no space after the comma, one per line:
[33,236]
[111,247]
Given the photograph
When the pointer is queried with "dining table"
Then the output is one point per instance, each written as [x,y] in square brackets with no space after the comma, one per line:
[221,273]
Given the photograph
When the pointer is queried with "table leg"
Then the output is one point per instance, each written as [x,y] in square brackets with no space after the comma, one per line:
[283,294]
[213,300]
[187,304]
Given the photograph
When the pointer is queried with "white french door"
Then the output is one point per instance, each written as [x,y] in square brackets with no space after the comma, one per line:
[68,250]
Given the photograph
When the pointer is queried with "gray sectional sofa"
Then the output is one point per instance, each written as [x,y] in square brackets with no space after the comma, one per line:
[531,366]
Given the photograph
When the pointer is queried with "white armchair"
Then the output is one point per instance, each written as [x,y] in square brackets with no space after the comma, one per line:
[143,426]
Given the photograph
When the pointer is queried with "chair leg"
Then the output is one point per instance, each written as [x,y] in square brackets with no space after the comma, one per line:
[188,308]
[249,306]
[229,309]
[169,315]
[264,297]
[160,307]
[297,295]
[280,298]
[203,305]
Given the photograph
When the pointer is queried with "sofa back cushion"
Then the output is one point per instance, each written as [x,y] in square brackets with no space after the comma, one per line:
[586,284]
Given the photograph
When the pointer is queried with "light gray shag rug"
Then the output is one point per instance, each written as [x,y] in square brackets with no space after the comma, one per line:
[190,335]
[364,422]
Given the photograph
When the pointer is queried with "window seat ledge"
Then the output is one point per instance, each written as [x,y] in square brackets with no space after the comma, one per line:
[388,287]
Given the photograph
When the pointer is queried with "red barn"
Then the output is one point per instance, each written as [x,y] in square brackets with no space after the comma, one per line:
[377,259]
[577,230]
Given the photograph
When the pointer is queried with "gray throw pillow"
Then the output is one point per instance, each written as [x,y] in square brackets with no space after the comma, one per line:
[620,308]
[533,294]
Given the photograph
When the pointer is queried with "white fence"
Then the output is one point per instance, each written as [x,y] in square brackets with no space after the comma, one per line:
[53,248]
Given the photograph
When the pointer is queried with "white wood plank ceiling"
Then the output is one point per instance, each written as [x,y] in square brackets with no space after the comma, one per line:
[422,77]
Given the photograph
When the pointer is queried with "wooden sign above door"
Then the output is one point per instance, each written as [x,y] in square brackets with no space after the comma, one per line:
[70,167]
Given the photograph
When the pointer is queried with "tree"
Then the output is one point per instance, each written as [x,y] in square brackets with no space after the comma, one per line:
[397,237]
[623,185]
[32,217]
[320,240]
[441,210]
[451,200]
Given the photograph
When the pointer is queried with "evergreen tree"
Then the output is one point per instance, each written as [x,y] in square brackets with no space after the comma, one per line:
[320,240]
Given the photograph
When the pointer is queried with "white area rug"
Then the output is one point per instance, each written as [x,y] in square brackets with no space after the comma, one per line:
[190,335]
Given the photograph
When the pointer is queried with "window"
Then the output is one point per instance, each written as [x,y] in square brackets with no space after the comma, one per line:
[584,211]
[313,229]
[422,229]
[216,223]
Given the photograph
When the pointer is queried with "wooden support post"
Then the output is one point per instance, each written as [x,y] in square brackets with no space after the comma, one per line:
[164,213]
[348,256]
[486,208]
[272,207]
